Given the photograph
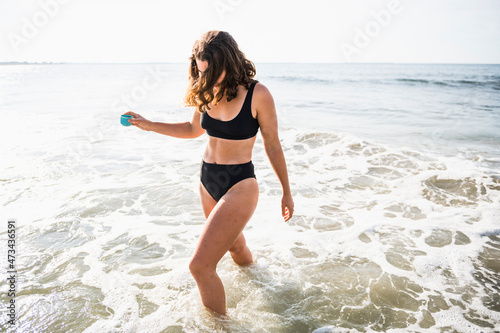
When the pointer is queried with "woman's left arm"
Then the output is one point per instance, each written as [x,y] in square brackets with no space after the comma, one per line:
[268,121]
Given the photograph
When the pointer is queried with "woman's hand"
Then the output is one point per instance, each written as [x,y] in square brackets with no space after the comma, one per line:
[287,207]
[139,121]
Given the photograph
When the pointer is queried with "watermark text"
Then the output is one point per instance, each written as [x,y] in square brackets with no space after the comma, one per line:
[11,272]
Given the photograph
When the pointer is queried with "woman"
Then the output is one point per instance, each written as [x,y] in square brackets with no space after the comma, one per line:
[230,107]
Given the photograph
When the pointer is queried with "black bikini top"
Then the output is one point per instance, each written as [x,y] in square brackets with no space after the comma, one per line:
[243,126]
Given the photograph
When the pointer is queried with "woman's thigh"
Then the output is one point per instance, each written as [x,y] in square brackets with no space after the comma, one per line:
[207,202]
[226,220]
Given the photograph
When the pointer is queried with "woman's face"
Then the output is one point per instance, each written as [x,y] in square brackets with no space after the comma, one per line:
[202,66]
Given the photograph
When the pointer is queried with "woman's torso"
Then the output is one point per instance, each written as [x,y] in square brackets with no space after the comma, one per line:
[227,151]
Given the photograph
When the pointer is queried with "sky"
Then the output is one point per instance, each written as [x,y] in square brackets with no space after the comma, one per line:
[338,31]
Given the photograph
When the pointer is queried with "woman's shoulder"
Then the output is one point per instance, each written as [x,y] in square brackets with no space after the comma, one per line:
[261,94]
[263,102]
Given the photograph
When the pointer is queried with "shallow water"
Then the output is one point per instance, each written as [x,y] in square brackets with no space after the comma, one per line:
[396,228]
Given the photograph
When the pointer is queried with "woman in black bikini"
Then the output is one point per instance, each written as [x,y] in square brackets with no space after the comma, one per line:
[230,107]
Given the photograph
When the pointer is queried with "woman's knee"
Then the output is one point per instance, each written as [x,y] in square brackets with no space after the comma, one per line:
[199,267]
[238,247]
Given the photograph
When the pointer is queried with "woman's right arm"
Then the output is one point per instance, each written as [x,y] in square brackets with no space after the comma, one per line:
[185,130]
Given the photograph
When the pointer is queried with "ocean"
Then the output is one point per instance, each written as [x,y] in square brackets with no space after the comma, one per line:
[394,169]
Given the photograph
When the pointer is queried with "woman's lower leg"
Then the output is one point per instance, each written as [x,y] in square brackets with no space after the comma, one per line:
[211,289]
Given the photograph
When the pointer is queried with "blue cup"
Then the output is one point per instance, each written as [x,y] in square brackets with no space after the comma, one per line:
[124,119]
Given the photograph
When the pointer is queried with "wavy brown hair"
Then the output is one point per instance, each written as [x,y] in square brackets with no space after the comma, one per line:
[221,51]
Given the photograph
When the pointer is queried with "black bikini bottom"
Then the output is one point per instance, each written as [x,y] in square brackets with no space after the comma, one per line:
[219,178]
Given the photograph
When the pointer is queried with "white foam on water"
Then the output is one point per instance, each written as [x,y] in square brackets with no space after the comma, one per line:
[341,193]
